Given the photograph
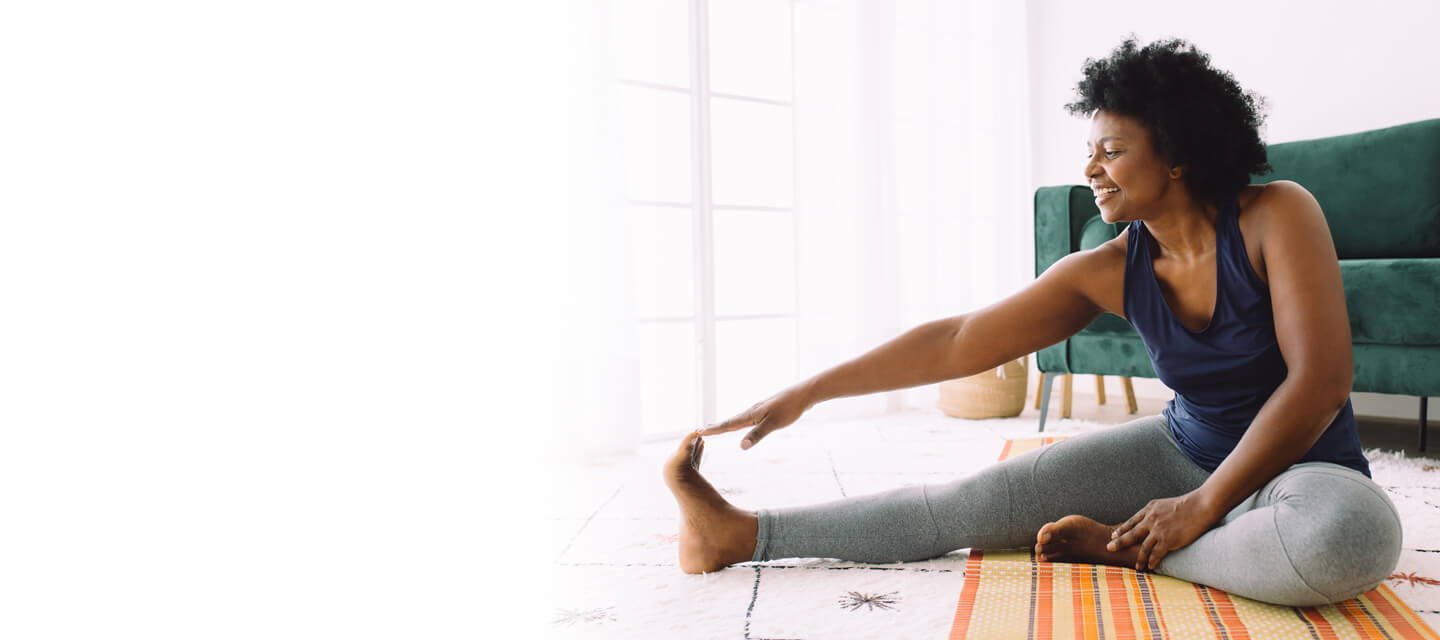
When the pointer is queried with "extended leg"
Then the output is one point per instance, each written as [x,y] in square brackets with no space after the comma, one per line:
[1316,534]
[1105,475]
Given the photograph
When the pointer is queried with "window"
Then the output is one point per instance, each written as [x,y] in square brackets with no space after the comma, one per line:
[703,94]
[843,208]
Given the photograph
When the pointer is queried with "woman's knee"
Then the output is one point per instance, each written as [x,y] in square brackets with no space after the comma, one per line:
[1341,533]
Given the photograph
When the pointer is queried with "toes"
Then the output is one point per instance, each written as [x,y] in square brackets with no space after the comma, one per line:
[1044,534]
[696,451]
[687,444]
[689,440]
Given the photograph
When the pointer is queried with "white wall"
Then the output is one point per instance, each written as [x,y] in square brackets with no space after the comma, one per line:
[1325,68]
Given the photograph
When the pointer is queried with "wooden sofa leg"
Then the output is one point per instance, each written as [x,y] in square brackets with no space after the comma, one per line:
[1424,401]
[1100,388]
[1129,395]
[1065,393]
[1039,387]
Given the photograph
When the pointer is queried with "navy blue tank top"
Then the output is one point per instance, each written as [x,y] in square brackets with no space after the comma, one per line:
[1225,372]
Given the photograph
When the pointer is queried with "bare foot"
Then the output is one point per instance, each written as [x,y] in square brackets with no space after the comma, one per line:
[714,534]
[1080,539]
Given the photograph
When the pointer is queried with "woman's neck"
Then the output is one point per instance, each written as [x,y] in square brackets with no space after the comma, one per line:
[1186,231]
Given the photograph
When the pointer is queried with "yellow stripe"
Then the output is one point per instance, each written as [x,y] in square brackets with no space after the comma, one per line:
[1004,577]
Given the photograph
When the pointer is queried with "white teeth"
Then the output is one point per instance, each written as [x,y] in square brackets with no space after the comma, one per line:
[1110,190]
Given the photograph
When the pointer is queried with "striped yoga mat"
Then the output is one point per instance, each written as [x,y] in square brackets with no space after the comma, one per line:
[1007,594]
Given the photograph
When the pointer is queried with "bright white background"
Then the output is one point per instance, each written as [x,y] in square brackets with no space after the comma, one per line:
[268,272]
[296,298]
[808,181]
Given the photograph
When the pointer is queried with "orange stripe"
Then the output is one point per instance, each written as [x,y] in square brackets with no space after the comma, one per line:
[1005,453]
[1091,596]
[1359,620]
[1045,613]
[966,607]
[1077,605]
[1322,626]
[1146,633]
[1396,619]
[1232,621]
[1119,603]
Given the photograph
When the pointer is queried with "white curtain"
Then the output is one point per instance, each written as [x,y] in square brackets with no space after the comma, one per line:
[912,169]
[905,169]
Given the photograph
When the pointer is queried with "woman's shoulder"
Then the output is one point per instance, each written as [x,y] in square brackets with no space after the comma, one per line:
[1266,210]
[1104,273]
[1278,202]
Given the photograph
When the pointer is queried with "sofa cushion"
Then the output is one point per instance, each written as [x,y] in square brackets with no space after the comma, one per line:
[1393,301]
[1380,189]
[1388,368]
[1110,356]
[1389,301]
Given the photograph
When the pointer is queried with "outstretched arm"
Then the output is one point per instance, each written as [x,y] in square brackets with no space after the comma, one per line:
[1062,301]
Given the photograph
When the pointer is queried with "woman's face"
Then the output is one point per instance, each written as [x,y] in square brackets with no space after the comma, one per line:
[1119,155]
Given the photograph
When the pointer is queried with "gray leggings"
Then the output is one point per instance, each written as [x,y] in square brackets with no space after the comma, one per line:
[1317,533]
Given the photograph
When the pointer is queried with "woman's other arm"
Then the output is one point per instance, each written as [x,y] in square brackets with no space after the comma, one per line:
[1313,329]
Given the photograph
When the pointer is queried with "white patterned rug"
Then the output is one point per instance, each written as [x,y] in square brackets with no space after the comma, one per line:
[612,525]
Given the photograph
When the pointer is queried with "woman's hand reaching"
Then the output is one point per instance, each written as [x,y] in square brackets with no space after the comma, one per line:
[1164,525]
[776,412]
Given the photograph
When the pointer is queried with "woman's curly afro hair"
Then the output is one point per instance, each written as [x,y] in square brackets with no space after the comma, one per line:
[1198,116]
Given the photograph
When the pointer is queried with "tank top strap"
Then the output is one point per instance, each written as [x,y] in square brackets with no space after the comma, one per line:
[1230,250]
[1144,307]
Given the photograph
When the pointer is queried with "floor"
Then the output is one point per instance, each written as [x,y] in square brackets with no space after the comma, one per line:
[610,528]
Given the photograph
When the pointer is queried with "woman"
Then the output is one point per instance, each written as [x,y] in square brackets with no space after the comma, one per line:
[1252,479]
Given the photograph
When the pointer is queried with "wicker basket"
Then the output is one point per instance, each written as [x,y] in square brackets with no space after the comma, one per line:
[997,393]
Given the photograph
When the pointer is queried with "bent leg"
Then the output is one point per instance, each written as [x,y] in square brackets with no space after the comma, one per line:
[1106,475]
[1316,534]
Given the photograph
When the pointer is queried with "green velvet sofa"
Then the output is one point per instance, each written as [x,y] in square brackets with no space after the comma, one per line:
[1380,191]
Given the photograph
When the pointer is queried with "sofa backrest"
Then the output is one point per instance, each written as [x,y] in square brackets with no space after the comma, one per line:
[1380,189]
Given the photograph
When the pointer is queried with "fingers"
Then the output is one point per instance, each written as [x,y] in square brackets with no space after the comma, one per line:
[1130,535]
[754,436]
[1146,549]
[744,419]
[1157,556]
[1129,524]
[1119,530]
